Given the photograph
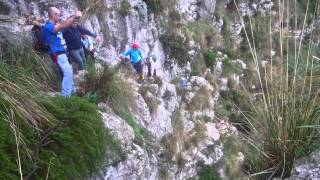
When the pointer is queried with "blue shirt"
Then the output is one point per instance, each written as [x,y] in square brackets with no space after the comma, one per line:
[54,39]
[135,55]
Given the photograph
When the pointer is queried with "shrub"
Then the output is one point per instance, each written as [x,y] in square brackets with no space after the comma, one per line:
[91,6]
[201,100]
[4,9]
[74,147]
[125,8]
[175,16]
[55,137]
[285,117]
[210,58]
[198,67]
[230,45]
[80,145]
[153,5]
[150,99]
[175,47]
[205,34]
[110,86]
[208,172]
[229,67]
[33,66]
[200,133]
[139,132]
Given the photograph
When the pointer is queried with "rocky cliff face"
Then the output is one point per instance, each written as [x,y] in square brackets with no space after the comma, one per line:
[183,125]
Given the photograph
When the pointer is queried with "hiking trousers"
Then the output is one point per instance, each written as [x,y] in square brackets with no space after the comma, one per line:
[79,56]
[67,86]
[138,67]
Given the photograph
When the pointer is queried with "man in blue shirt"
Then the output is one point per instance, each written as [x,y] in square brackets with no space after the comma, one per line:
[72,35]
[53,36]
[136,59]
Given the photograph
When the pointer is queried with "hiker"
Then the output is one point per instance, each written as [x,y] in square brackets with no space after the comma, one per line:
[136,59]
[53,36]
[88,46]
[72,35]
[150,65]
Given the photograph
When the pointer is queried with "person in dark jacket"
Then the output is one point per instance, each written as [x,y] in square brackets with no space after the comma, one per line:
[72,36]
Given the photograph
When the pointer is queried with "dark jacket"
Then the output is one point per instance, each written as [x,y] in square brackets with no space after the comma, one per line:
[72,37]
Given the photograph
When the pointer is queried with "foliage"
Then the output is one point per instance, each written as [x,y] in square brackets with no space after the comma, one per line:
[284,116]
[151,100]
[198,67]
[80,145]
[110,86]
[205,34]
[31,65]
[201,100]
[175,16]
[229,67]
[125,8]
[91,6]
[74,147]
[209,58]
[4,9]
[139,132]
[49,137]
[175,47]
[153,5]
[208,173]
[230,45]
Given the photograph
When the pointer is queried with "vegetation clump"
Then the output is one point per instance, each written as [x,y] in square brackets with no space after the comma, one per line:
[208,172]
[125,8]
[175,47]
[153,5]
[47,137]
[209,58]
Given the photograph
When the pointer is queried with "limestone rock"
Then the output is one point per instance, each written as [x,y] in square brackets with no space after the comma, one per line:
[307,167]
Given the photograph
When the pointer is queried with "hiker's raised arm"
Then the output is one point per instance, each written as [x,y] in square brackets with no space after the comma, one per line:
[67,23]
[86,31]
[127,53]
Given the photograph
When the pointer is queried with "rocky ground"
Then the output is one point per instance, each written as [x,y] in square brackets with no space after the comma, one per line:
[178,113]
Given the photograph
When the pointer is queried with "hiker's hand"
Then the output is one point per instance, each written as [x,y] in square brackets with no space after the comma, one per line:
[121,57]
[98,40]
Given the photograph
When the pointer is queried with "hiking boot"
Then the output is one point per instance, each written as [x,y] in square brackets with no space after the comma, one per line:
[141,77]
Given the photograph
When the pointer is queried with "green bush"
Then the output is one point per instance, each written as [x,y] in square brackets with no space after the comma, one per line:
[229,67]
[230,45]
[208,173]
[110,85]
[175,16]
[210,58]
[125,8]
[75,147]
[153,5]
[284,117]
[8,148]
[91,6]
[198,67]
[81,144]
[55,137]
[139,132]
[24,61]
[4,9]
[176,47]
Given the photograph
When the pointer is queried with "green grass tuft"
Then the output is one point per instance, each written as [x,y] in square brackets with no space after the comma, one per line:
[125,8]
[176,47]
[208,172]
